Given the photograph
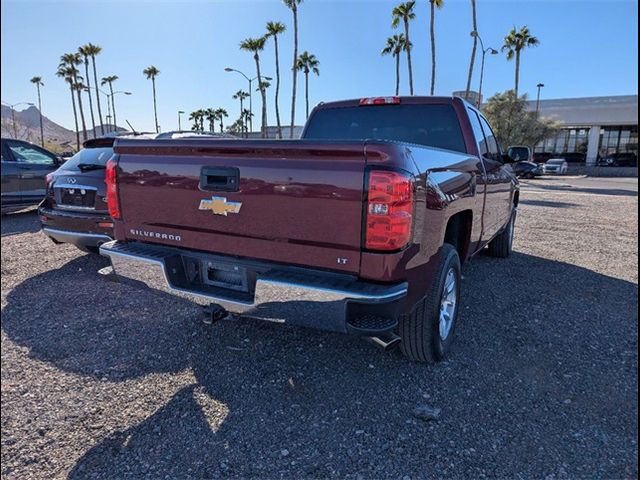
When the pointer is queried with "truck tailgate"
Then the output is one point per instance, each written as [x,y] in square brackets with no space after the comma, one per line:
[289,202]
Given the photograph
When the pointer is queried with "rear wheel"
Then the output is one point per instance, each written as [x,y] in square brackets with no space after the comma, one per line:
[427,332]
[502,245]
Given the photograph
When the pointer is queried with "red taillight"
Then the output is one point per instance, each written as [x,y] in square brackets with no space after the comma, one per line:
[48,179]
[379,101]
[111,179]
[389,210]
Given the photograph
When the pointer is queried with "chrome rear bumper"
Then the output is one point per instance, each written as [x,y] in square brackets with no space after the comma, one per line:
[280,294]
[79,239]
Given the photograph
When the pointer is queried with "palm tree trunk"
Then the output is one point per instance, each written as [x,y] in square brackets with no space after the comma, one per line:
[241,115]
[517,71]
[397,74]
[95,82]
[406,34]
[113,107]
[155,109]
[40,110]
[75,117]
[93,120]
[306,91]
[473,50]
[263,95]
[275,41]
[293,68]
[221,125]
[84,124]
[433,47]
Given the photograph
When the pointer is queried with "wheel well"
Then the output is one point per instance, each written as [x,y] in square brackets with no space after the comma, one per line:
[458,232]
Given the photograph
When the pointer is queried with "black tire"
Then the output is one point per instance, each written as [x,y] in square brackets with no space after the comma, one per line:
[502,245]
[419,330]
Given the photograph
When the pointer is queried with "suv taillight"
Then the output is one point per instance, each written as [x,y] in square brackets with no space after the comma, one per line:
[389,210]
[111,179]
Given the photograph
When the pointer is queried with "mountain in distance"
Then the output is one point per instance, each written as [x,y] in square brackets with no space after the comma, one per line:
[56,137]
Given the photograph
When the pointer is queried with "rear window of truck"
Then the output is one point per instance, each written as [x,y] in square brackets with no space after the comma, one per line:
[430,125]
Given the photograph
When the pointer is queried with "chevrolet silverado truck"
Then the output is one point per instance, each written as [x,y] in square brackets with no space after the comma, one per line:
[359,227]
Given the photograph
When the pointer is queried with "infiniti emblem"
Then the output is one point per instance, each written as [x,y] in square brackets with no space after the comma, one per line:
[71,180]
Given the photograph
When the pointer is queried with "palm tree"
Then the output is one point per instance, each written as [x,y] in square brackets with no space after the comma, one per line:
[473,50]
[395,45]
[273,30]
[221,113]
[307,63]
[403,13]
[211,116]
[72,60]
[193,116]
[66,73]
[84,53]
[37,81]
[246,116]
[240,95]
[434,4]
[151,73]
[109,80]
[293,6]
[94,50]
[256,45]
[514,43]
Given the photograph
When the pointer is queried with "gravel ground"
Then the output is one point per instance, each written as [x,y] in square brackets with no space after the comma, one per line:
[100,380]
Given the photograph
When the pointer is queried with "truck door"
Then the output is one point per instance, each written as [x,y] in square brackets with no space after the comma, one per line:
[500,177]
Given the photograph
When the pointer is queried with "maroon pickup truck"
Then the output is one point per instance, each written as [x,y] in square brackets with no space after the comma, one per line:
[359,227]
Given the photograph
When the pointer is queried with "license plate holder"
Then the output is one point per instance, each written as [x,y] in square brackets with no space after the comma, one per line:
[224,275]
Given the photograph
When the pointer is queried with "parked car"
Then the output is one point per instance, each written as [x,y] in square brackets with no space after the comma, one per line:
[75,210]
[527,169]
[24,170]
[555,166]
[419,186]
[519,153]
[622,159]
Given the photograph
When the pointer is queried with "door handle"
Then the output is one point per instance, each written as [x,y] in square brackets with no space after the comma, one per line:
[220,179]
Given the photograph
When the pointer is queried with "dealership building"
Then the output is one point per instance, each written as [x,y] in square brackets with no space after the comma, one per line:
[595,126]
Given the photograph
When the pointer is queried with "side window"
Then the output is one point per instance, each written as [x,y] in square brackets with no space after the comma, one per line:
[492,143]
[478,133]
[25,153]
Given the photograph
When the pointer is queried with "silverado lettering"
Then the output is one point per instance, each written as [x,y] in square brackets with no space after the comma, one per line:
[406,188]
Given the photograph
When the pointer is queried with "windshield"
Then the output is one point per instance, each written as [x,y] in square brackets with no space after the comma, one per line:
[518,153]
[555,162]
[88,156]
[430,125]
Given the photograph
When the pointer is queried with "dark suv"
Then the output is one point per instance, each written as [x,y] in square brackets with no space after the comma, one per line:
[622,159]
[75,209]
[24,170]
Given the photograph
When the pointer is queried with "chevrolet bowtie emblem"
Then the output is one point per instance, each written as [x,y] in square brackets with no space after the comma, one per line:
[220,206]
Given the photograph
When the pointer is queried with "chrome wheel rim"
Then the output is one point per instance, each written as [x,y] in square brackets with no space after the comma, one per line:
[448,304]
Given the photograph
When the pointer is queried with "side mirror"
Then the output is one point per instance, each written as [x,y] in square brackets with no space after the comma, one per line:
[59,160]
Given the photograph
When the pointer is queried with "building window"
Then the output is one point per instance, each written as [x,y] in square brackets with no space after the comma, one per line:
[618,140]
[566,140]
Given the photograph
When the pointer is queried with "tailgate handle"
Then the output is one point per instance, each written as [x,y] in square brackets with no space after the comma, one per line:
[221,179]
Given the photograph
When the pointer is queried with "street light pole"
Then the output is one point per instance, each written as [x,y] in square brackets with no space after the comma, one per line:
[540,86]
[13,115]
[113,103]
[180,112]
[250,80]
[492,51]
